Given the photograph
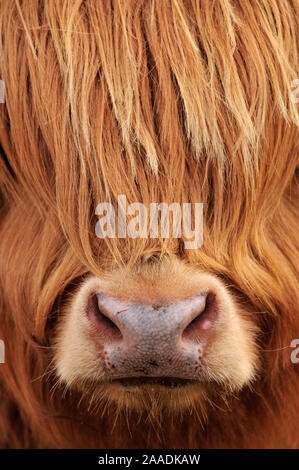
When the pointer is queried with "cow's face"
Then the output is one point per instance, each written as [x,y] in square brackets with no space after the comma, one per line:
[166,329]
[163,102]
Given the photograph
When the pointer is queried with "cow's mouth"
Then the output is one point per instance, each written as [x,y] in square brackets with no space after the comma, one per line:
[168,382]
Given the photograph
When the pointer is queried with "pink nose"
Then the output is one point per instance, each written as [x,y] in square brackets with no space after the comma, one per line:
[152,340]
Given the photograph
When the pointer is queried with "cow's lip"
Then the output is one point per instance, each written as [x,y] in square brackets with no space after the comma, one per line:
[168,382]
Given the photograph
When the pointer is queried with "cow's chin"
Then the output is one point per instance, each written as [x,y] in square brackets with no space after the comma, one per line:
[151,397]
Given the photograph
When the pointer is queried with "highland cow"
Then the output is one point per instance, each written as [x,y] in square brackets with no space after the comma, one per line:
[140,342]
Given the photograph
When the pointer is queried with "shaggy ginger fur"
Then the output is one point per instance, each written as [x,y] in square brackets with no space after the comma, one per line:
[173,101]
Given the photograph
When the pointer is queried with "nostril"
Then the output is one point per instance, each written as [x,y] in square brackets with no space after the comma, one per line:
[204,320]
[105,327]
